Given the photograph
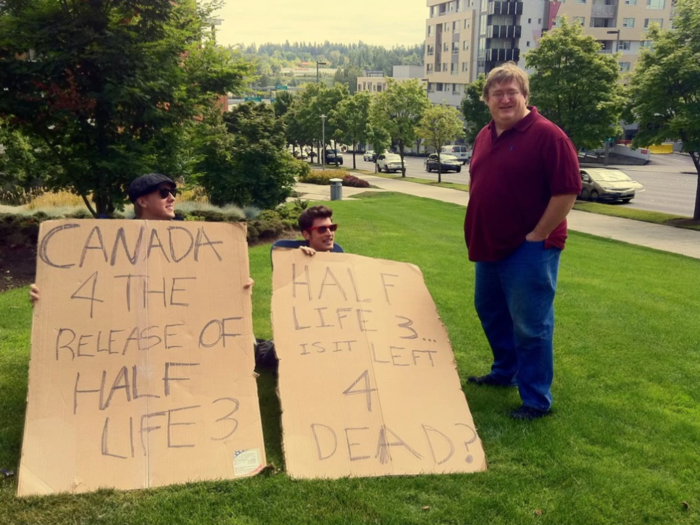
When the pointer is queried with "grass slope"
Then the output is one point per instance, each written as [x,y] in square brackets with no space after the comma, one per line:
[621,447]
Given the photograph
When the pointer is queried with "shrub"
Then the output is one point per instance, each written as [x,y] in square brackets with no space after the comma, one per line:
[355,182]
[323,177]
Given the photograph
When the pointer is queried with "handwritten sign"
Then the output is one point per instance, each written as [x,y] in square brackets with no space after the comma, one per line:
[141,370]
[367,378]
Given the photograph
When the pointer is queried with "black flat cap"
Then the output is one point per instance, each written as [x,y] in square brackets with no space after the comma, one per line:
[146,184]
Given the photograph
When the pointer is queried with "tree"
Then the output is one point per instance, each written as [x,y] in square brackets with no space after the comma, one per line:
[348,75]
[23,163]
[350,120]
[304,116]
[243,158]
[476,112]
[575,86]
[439,126]
[665,87]
[398,111]
[109,87]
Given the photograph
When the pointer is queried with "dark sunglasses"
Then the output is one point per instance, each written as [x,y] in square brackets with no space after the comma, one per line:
[164,192]
[323,229]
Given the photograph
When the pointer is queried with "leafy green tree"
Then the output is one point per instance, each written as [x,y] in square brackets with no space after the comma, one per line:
[109,87]
[350,121]
[243,158]
[476,112]
[23,163]
[575,86]
[304,122]
[665,87]
[283,101]
[348,75]
[439,126]
[398,111]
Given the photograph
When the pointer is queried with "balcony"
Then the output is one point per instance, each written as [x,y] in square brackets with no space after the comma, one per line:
[604,11]
[503,32]
[502,55]
[505,7]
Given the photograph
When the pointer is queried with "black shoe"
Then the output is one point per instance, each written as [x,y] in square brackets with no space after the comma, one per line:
[528,413]
[488,380]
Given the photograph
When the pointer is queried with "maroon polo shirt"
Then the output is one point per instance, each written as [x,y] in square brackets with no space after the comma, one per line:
[513,177]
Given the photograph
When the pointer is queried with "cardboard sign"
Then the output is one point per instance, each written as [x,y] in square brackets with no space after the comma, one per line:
[141,370]
[367,378]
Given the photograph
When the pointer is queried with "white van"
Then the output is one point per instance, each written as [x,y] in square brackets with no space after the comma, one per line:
[462,152]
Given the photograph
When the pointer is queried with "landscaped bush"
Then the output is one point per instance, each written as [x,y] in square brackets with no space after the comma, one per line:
[355,182]
[323,177]
[22,229]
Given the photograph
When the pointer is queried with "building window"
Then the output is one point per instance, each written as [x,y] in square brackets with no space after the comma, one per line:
[438,86]
[453,68]
[429,68]
[628,22]
[444,66]
[431,50]
[467,24]
[446,27]
[465,46]
[455,27]
[430,30]
[624,67]
[646,43]
[431,87]
[580,2]
[455,47]
[446,46]
[581,20]
[527,44]
[649,21]
[556,22]
[630,2]
[625,45]
[465,67]
[656,4]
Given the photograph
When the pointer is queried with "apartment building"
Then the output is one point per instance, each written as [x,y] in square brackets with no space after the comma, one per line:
[467,37]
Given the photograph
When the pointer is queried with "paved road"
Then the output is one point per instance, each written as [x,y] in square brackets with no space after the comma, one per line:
[670,181]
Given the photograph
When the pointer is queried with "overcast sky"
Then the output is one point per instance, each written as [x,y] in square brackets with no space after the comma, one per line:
[378,22]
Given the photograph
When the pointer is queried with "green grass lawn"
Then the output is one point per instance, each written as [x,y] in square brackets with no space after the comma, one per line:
[428,182]
[618,210]
[620,448]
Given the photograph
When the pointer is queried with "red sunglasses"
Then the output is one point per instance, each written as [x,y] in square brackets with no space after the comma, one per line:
[323,229]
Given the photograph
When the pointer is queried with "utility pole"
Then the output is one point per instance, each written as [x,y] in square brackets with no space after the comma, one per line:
[323,138]
[319,64]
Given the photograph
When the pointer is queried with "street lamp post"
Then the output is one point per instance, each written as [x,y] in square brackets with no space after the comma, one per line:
[319,64]
[323,139]
[617,39]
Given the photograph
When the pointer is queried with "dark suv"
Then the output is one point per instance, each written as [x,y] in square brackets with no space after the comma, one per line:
[333,156]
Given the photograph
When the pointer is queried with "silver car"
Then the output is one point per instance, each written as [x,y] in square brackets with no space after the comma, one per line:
[608,185]
[388,162]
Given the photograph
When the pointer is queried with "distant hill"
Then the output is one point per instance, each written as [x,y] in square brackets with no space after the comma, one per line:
[349,59]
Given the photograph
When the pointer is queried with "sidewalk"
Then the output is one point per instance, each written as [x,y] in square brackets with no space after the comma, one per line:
[656,236]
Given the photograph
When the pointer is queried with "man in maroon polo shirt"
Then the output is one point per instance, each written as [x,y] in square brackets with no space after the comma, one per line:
[524,181]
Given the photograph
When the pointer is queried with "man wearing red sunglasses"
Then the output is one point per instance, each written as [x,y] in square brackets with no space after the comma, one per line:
[316,225]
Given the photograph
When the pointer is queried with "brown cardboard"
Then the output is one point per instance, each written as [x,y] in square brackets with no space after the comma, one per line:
[148,391]
[367,378]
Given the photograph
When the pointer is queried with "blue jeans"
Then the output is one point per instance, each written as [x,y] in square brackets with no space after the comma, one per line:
[514,298]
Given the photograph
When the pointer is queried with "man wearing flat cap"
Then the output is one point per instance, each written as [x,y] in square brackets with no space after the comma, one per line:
[153,196]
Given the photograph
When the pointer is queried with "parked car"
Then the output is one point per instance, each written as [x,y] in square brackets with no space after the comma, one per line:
[608,185]
[370,155]
[462,152]
[333,156]
[388,162]
[447,163]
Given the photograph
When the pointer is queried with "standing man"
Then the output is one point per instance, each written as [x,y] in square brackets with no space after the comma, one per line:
[524,181]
